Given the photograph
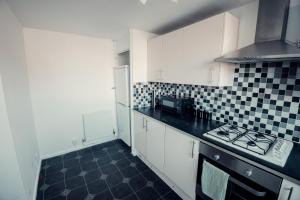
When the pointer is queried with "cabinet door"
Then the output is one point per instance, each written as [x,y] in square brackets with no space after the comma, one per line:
[181,160]
[155,59]
[173,62]
[289,190]
[140,136]
[155,143]
[202,44]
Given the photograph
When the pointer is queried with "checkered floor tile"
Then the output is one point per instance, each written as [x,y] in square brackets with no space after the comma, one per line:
[103,172]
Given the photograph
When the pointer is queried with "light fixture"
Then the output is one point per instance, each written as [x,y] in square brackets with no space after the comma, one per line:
[145,1]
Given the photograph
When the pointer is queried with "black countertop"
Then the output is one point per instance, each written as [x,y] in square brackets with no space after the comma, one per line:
[197,127]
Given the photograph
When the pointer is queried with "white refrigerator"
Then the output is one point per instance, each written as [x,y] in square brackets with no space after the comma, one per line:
[121,75]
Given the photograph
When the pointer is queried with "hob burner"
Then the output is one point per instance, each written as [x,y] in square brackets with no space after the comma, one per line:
[251,143]
[232,127]
[259,135]
[223,133]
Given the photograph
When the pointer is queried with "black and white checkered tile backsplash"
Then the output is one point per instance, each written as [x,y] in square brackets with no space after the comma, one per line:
[264,97]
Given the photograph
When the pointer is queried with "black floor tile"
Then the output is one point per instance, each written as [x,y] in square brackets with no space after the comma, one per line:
[104,160]
[106,195]
[54,190]
[103,172]
[148,193]
[70,155]
[74,182]
[78,194]
[150,175]
[71,163]
[129,172]
[92,175]
[86,158]
[114,179]
[85,152]
[99,154]
[75,171]
[172,196]
[161,187]
[87,166]
[54,178]
[122,190]
[60,197]
[96,187]
[131,197]
[123,163]
[54,168]
[117,156]
[54,160]
[137,182]
[109,169]
[141,166]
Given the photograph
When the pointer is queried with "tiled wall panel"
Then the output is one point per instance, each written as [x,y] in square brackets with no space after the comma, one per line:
[264,97]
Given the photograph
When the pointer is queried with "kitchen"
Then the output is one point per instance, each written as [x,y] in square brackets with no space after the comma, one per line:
[199,103]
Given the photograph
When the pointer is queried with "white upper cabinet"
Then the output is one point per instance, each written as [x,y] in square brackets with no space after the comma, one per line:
[187,55]
[155,59]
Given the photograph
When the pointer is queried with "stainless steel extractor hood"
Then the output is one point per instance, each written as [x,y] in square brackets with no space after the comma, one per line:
[270,42]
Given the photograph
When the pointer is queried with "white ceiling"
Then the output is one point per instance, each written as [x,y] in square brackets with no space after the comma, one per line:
[112,18]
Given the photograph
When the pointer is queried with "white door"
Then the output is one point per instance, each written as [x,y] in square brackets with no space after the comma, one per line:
[181,160]
[122,103]
[122,85]
[123,123]
[155,143]
[289,191]
[140,137]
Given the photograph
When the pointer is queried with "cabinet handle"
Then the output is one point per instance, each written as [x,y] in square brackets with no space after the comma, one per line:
[290,192]
[143,123]
[193,149]
[146,125]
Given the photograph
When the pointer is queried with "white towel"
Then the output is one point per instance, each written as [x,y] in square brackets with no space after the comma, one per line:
[214,181]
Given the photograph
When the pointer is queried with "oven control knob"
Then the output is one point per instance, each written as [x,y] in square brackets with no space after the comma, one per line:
[217,157]
[249,172]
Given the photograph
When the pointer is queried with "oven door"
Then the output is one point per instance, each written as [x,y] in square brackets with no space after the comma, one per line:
[240,187]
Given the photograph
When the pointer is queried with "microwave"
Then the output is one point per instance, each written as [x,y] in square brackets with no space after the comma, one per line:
[176,105]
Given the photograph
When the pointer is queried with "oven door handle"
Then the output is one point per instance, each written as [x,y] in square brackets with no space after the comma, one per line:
[246,187]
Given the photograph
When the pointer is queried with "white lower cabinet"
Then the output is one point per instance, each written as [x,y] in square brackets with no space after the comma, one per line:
[171,152]
[181,160]
[140,137]
[155,143]
[289,191]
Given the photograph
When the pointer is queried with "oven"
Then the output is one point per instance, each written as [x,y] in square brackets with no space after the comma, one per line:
[246,182]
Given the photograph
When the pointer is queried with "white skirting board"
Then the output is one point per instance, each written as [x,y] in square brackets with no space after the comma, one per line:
[87,144]
[173,186]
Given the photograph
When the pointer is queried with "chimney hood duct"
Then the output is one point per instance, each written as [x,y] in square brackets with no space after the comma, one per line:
[270,42]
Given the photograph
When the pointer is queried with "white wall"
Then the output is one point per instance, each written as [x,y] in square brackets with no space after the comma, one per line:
[11,186]
[123,43]
[139,54]
[18,106]
[70,75]
[248,18]
[123,58]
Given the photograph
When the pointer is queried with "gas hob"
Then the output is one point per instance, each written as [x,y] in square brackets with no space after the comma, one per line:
[264,146]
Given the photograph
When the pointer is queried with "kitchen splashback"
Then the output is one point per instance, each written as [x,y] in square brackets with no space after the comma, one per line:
[264,97]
